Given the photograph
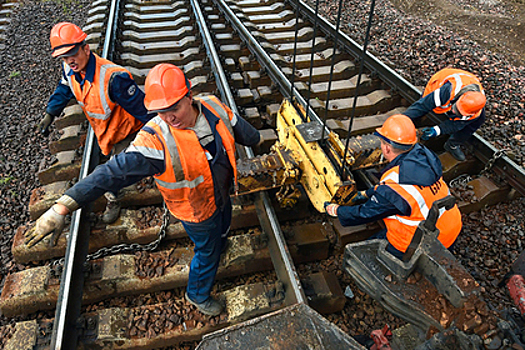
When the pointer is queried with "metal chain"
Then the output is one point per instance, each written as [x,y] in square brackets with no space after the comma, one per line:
[128,248]
[498,154]
[462,180]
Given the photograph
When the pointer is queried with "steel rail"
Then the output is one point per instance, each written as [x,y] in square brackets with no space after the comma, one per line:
[279,252]
[66,326]
[483,150]
[274,71]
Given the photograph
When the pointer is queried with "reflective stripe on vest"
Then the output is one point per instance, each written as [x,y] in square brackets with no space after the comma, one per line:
[147,152]
[187,182]
[401,229]
[416,195]
[458,79]
[173,151]
[110,122]
[102,93]
[171,146]
[213,103]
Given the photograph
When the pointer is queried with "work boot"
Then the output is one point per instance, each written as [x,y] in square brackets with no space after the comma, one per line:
[210,307]
[112,211]
[455,151]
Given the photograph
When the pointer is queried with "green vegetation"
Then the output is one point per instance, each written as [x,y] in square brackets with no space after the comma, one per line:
[6,180]
[13,74]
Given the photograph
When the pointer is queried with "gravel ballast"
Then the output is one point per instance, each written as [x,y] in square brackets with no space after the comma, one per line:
[491,238]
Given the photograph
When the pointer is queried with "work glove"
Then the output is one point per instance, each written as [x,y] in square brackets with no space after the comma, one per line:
[50,222]
[359,198]
[331,208]
[428,133]
[45,123]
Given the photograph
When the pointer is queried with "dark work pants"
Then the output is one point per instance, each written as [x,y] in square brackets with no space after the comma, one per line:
[209,237]
[467,128]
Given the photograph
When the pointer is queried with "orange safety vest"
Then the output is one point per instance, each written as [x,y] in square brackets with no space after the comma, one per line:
[110,122]
[459,79]
[401,229]
[186,183]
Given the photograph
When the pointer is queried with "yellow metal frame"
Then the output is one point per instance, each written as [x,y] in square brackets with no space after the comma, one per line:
[319,177]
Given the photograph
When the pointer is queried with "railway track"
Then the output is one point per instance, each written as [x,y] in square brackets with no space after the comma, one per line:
[243,51]
[6,11]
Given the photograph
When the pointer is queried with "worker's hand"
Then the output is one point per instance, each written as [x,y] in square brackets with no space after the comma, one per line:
[331,208]
[428,133]
[359,198]
[50,222]
[43,127]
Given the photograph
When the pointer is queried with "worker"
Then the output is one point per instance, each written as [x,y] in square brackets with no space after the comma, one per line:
[107,93]
[189,148]
[409,185]
[459,95]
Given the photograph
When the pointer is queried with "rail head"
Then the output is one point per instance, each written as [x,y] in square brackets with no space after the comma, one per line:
[281,257]
[65,333]
[483,150]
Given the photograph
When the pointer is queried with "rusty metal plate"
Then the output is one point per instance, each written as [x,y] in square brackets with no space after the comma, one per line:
[295,327]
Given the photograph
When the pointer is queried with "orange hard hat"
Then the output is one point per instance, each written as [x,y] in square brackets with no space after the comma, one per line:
[64,36]
[398,130]
[470,103]
[165,85]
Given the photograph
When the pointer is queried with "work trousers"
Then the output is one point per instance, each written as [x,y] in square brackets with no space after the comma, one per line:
[210,237]
[466,129]
[117,149]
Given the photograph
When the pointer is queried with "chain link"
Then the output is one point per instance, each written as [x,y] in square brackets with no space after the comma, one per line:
[128,248]
[498,154]
[462,180]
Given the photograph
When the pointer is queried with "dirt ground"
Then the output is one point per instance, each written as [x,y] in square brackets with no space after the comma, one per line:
[498,25]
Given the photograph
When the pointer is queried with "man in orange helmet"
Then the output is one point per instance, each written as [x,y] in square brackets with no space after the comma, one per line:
[189,148]
[409,185]
[110,98]
[459,95]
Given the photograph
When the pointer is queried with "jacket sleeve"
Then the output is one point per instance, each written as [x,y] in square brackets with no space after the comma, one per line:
[60,98]
[426,104]
[125,91]
[245,134]
[120,171]
[382,203]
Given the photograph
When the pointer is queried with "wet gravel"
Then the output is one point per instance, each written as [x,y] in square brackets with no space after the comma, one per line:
[490,241]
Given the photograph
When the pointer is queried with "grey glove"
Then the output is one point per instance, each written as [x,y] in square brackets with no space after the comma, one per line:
[45,123]
[50,222]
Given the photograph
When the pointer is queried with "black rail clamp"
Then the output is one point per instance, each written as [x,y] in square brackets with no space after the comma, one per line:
[384,277]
